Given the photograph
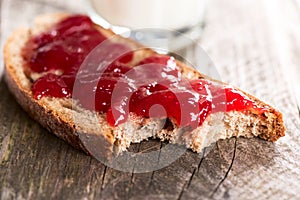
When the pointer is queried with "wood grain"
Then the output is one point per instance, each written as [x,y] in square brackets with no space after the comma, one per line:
[242,39]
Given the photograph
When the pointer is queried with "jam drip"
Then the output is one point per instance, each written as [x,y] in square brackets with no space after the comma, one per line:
[152,88]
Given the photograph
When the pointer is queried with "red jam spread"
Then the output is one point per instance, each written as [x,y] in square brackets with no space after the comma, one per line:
[152,88]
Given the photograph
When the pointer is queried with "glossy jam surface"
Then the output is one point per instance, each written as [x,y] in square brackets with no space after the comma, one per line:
[64,46]
[63,49]
[152,88]
[160,91]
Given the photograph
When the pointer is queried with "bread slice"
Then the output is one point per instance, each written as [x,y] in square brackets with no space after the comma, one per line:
[80,127]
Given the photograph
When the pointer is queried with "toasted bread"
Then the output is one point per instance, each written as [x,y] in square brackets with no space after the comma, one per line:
[79,127]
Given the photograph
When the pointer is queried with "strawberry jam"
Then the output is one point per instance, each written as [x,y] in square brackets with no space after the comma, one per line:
[64,46]
[161,92]
[153,88]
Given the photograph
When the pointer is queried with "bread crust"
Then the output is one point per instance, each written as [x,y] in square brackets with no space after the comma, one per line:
[48,118]
[66,129]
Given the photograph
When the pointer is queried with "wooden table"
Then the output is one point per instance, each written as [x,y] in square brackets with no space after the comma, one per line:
[254,43]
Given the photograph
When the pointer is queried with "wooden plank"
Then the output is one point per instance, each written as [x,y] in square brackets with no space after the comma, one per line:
[239,37]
